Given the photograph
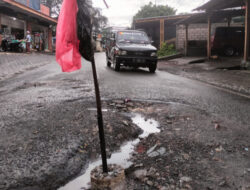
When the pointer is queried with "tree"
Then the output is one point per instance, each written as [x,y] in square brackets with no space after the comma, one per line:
[99,21]
[151,10]
[54,6]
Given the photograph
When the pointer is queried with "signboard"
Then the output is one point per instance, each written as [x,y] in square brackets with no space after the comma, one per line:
[34,4]
[22,1]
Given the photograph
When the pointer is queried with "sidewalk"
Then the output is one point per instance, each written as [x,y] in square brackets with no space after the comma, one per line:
[224,72]
[16,63]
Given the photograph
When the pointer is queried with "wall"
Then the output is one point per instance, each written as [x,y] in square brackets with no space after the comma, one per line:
[170,30]
[45,10]
[196,32]
[6,20]
[152,29]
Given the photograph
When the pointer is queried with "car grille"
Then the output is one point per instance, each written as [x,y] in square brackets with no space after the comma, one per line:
[138,53]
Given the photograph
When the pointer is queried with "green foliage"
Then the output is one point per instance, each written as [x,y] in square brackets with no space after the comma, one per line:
[99,21]
[151,10]
[166,50]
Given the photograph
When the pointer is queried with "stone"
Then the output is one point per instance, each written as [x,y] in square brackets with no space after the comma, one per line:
[140,174]
[151,149]
[223,183]
[152,171]
[185,179]
[217,126]
[153,154]
[114,180]
[125,123]
[162,151]
[150,183]
[164,188]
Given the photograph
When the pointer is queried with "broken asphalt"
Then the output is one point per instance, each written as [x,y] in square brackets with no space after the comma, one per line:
[49,132]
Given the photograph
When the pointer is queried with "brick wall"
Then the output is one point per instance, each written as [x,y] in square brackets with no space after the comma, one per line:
[197,32]
[50,39]
[45,10]
[28,25]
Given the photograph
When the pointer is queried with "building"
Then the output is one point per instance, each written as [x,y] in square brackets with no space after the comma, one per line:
[192,32]
[19,16]
[159,29]
[215,11]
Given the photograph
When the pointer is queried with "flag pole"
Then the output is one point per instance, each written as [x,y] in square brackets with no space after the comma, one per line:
[100,118]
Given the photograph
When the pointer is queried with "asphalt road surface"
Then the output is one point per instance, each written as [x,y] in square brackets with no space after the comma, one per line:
[38,102]
[128,83]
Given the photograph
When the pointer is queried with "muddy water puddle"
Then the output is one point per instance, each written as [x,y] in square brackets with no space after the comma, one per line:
[121,157]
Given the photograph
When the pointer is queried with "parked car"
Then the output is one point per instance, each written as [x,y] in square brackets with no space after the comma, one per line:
[228,40]
[130,48]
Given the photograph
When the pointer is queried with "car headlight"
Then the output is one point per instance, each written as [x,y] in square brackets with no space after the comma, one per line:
[121,52]
[153,54]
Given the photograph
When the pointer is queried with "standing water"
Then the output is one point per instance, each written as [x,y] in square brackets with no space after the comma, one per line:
[120,158]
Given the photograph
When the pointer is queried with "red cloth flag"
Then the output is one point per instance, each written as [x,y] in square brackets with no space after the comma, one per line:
[67,42]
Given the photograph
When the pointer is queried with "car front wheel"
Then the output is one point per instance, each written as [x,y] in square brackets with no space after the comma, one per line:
[116,65]
[108,62]
[152,68]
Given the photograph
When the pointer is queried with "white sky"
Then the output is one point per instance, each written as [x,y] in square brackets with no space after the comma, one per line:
[121,12]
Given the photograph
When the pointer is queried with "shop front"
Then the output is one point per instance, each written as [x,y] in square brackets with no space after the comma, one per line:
[17,19]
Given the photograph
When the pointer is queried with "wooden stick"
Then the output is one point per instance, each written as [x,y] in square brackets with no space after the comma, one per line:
[105,3]
[100,119]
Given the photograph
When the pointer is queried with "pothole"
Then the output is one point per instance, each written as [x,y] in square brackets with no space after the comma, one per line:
[148,126]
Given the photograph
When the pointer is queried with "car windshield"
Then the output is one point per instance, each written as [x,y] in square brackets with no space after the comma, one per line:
[132,37]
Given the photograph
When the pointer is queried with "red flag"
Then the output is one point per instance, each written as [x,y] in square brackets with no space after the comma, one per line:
[67,42]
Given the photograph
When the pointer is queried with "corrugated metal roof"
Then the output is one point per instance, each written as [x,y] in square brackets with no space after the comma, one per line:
[216,16]
[220,4]
[171,17]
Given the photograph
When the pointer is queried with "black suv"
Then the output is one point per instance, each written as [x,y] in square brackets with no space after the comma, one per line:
[130,48]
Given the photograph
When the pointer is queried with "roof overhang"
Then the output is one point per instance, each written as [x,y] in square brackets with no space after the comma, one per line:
[20,8]
[153,19]
[220,4]
[216,16]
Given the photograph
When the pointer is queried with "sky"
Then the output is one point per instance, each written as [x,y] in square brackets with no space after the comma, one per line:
[121,12]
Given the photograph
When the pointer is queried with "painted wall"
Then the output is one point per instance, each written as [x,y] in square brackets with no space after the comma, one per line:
[11,22]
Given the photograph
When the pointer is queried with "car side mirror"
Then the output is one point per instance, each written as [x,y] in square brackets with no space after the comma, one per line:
[151,41]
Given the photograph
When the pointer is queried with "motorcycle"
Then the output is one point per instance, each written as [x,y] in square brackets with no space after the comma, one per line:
[12,45]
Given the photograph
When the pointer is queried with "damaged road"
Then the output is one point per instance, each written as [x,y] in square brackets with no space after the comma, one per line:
[49,134]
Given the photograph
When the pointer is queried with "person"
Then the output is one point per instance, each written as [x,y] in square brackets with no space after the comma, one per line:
[28,41]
